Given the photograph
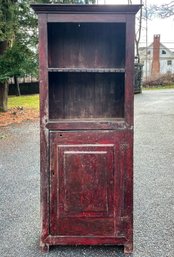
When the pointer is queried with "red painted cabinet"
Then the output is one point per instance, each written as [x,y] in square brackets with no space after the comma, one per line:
[86,106]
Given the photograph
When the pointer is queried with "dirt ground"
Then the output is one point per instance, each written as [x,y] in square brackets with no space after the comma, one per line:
[17,115]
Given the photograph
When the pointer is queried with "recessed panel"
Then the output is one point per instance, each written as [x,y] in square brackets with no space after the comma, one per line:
[83,184]
[86,180]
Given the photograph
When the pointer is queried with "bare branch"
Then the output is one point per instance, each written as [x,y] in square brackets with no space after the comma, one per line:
[138,33]
[129,1]
[163,11]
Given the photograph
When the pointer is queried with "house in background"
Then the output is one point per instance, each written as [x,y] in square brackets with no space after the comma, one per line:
[157,60]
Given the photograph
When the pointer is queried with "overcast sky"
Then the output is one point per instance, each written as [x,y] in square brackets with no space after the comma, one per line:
[164,27]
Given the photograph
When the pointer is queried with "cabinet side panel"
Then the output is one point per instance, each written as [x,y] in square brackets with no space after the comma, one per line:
[130,37]
[129,115]
[44,159]
[128,215]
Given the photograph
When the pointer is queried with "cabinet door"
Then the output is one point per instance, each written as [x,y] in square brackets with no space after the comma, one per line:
[84,184]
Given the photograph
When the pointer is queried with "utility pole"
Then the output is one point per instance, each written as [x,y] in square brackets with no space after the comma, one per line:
[146,39]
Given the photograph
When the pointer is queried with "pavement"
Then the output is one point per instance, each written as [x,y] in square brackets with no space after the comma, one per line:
[153,186]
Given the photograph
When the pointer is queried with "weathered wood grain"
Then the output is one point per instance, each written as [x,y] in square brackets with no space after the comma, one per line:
[86,104]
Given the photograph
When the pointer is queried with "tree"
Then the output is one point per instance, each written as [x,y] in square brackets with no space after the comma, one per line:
[18,34]
[21,58]
[138,32]
[7,27]
[18,41]
[164,11]
[17,61]
[139,18]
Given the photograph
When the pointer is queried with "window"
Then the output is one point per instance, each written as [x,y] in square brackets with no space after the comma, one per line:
[163,52]
[169,62]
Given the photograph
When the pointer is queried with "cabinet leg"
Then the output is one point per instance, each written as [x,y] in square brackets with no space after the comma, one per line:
[44,247]
[128,248]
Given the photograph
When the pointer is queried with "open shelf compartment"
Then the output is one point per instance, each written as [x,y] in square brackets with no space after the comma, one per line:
[86,46]
[86,96]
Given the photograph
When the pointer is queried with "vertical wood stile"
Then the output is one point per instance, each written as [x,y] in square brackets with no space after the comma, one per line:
[44,146]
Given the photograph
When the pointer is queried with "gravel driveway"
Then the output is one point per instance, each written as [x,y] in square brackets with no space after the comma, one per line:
[153,185]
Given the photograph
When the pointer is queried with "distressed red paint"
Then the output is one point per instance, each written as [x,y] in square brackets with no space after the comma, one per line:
[86,106]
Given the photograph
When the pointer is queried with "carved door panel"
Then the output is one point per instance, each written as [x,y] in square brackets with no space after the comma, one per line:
[84,192]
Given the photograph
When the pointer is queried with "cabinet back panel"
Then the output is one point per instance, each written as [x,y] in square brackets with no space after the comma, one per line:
[74,45]
[86,95]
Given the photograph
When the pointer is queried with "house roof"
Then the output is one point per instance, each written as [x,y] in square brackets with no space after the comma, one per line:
[162,46]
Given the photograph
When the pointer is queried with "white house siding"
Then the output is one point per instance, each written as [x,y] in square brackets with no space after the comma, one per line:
[165,67]
[165,56]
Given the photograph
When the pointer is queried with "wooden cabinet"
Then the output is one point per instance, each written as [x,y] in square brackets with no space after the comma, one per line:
[86,106]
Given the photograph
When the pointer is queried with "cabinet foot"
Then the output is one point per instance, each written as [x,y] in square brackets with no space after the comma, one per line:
[128,248]
[44,247]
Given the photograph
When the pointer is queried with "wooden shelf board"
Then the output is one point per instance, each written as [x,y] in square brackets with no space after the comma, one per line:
[99,70]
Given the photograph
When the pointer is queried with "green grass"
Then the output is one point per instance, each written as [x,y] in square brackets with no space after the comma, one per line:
[32,101]
[158,87]
[26,101]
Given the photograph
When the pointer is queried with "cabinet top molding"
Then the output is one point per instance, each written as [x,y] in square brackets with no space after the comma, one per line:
[85,8]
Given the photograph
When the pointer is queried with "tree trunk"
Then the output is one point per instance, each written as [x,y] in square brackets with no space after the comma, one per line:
[3,85]
[3,96]
[18,91]
[138,34]
[137,50]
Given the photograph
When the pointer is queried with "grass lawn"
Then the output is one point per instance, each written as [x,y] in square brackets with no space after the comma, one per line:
[26,101]
[20,108]
[158,87]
